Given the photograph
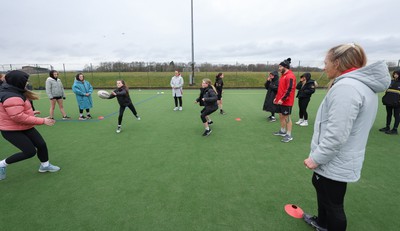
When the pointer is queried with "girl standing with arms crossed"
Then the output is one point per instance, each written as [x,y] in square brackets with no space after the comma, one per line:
[83,91]
[208,95]
[124,100]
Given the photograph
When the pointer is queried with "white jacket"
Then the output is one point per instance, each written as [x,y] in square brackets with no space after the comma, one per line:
[54,88]
[177,84]
[344,120]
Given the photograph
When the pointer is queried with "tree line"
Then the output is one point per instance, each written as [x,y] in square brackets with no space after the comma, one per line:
[186,67]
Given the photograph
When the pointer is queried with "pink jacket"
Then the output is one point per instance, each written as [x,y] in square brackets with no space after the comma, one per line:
[17,115]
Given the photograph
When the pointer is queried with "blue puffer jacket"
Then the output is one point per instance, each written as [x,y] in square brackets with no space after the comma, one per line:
[81,89]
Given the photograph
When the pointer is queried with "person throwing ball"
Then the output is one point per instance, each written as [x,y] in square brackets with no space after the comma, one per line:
[208,95]
[124,101]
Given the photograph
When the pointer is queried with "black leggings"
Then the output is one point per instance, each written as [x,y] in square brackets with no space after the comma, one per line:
[330,197]
[176,98]
[81,110]
[303,104]
[395,112]
[122,110]
[207,111]
[29,142]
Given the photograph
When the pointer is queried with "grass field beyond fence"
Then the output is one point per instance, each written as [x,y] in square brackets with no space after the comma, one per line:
[162,79]
[159,173]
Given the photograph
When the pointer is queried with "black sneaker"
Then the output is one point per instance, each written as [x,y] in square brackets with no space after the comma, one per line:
[222,112]
[210,122]
[82,118]
[312,220]
[392,132]
[385,129]
[89,117]
[66,118]
[207,132]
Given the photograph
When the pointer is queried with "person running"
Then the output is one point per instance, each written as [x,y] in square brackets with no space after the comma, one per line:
[18,123]
[342,125]
[83,91]
[284,100]
[391,100]
[271,85]
[55,91]
[306,87]
[208,97]
[219,85]
[177,90]
[124,101]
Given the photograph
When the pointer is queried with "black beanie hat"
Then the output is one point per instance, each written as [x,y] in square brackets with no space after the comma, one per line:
[306,75]
[396,72]
[286,63]
[17,79]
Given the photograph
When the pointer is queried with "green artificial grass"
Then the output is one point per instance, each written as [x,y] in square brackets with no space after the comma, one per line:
[159,173]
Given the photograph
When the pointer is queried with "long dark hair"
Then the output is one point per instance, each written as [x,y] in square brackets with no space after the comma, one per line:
[218,76]
[125,87]
[51,73]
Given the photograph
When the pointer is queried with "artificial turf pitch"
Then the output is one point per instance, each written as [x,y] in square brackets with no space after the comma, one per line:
[159,173]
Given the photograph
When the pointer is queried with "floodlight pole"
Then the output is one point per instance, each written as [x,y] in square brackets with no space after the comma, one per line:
[192,77]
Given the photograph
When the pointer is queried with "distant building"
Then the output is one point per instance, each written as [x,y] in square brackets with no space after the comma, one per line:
[34,70]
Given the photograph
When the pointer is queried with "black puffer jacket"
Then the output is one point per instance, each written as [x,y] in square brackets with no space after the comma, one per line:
[306,90]
[392,94]
[210,97]
[122,96]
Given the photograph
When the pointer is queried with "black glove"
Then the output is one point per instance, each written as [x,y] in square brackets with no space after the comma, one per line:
[64,98]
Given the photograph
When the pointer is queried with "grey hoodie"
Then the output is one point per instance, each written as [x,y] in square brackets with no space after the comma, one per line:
[344,120]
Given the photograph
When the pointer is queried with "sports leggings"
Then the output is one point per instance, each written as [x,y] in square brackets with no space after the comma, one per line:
[303,104]
[81,110]
[207,111]
[330,197]
[122,110]
[176,98]
[395,112]
[29,142]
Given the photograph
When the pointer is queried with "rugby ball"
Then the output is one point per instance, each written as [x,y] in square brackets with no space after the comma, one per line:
[103,94]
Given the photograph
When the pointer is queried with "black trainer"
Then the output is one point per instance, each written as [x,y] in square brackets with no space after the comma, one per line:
[312,220]
[207,132]
[222,112]
[385,129]
[210,122]
[89,116]
[392,132]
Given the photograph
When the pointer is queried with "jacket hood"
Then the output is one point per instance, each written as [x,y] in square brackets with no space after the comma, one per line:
[376,76]
[307,75]
[17,79]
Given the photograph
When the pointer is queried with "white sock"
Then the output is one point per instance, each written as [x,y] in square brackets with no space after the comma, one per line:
[207,128]
[283,130]
[3,163]
[45,164]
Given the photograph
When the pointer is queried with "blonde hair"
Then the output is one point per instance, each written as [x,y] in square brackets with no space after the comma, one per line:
[31,95]
[349,55]
[208,81]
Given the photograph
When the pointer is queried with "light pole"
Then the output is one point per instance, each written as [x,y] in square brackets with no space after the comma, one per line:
[192,76]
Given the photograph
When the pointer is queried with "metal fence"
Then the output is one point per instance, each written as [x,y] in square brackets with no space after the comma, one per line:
[157,75]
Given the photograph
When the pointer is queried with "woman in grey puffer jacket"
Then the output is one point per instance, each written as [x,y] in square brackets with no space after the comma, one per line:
[341,130]
[55,91]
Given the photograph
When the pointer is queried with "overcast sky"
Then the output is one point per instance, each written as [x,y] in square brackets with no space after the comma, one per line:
[225,31]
